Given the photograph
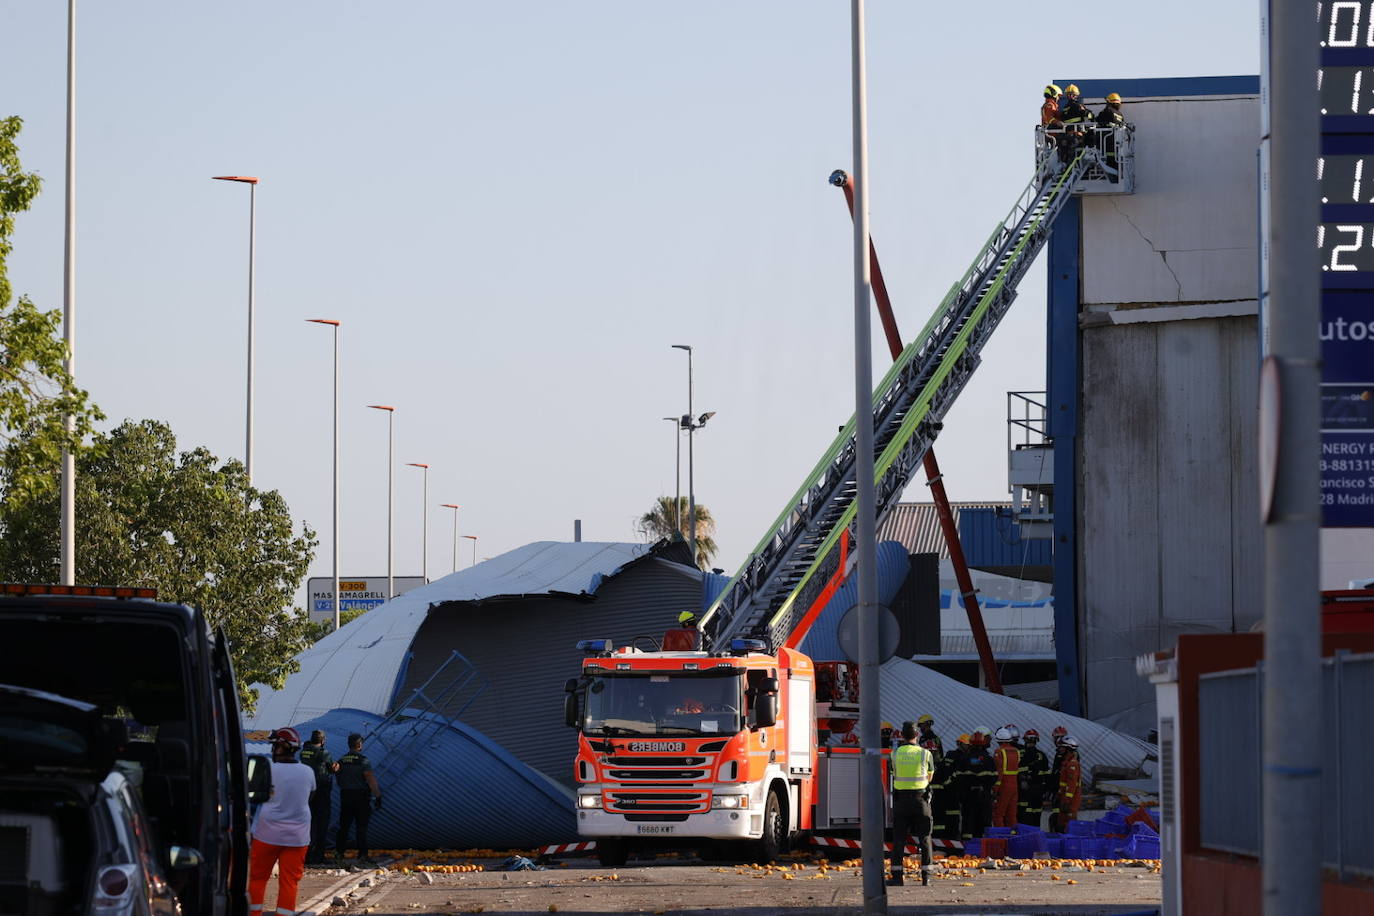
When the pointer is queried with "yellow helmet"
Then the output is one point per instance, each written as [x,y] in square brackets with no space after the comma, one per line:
[964,738]
[1052,91]
[686,617]
[925,720]
[1114,97]
[1071,89]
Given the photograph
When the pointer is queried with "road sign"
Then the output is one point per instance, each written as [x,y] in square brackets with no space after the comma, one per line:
[359,593]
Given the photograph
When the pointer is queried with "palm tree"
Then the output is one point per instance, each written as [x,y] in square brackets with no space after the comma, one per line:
[665,520]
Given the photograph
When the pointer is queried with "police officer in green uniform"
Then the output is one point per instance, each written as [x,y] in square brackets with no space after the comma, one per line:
[356,784]
[912,768]
[318,758]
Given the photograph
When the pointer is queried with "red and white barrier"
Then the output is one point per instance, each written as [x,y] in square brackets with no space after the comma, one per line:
[567,849]
[838,843]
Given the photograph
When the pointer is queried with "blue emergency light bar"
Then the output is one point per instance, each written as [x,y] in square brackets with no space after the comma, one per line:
[595,646]
[745,646]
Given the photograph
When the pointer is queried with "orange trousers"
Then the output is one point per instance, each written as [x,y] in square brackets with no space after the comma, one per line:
[1067,810]
[1004,809]
[292,865]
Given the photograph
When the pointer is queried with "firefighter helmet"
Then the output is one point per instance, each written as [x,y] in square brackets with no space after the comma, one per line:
[1052,91]
[1003,734]
[1114,98]
[1070,741]
[287,736]
[1031,735]
[1071,89]
[927,719]
[686,617]
[964,738]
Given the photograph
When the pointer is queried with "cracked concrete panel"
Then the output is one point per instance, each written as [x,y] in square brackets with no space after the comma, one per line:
[1188,233]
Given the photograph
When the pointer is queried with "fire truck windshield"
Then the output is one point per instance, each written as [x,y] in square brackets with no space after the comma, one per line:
[651,703]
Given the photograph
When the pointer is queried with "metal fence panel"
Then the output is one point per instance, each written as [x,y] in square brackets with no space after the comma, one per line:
[1354,723]
[1229,757]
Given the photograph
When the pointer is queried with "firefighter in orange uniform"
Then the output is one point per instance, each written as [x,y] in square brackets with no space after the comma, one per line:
[1008,763]
[1070,784]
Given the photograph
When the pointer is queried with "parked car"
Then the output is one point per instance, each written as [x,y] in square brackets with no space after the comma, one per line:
[141,750]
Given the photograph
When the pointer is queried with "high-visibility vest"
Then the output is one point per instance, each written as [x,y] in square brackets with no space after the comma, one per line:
[1008,761]
[911,767]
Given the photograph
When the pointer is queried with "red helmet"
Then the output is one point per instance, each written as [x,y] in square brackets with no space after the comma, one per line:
[1031,735]
[287,736]
[1058,733]
[981,739]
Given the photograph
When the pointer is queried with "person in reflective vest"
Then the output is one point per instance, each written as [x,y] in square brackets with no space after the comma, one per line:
[912,768]
[1007,760]
[927,726]
[1035,768]
[686,638]
[944,801]
[1070,785]
[1107,121]
[1075,115]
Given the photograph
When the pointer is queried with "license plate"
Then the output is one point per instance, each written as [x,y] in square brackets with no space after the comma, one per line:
[656,828]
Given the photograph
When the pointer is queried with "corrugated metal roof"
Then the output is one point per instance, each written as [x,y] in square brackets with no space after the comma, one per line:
[917,525]
[454,788]
[358,667]
[909,690]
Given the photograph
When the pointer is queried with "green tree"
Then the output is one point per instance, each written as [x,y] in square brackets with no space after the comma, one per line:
[36,391]
[662,521]
[192,528]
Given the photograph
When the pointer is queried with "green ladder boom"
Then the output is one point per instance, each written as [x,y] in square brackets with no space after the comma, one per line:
[791,565]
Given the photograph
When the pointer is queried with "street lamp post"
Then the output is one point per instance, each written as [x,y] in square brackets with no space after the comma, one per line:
[338,599]
[424,522]
[677,475]
[473,538]
[691,424]
[67,499]
[390,493]
[455,509]
[252,249]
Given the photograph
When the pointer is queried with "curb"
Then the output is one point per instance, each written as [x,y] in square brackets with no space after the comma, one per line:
[321,901]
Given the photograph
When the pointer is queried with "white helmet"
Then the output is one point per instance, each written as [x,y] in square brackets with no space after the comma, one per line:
[1070,741]
[1015,732]
[1003,734]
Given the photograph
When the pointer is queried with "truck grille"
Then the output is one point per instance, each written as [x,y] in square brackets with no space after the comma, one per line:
[657,774]
[647,802]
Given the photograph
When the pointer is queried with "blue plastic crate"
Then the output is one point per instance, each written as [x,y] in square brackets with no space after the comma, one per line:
[1140,846]
[1082,828]
[1099,847]
[1105,827]
[997,831]
[1023,846]
[973,847]
[1023,829]
[1054,845]
[1073,847]
[1140,828]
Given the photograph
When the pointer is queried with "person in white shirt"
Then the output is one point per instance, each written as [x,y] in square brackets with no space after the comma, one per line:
[281,831]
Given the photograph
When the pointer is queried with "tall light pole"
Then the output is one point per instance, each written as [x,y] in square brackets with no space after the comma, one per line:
[865,522]
[252,250]
[455,509]
[691,424]
[424,522]
[68,486]
[390,493]
[338,599]
[473,538]
[677,475]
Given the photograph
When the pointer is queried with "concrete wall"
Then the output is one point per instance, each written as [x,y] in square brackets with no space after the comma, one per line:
[1167,515]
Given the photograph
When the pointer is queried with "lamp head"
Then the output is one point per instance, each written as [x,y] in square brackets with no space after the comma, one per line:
[329,321]
[246,179]
[686,347]
[701,421]
[416,464]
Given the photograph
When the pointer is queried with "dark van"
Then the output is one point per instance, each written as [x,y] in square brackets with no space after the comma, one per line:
[164,683]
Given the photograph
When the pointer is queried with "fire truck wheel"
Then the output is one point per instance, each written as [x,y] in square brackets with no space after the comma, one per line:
[612,853]
[770,844]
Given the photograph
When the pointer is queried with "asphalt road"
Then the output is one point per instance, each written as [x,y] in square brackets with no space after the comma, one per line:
[667,887]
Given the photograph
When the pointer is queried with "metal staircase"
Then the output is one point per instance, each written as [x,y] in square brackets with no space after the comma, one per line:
[792,563]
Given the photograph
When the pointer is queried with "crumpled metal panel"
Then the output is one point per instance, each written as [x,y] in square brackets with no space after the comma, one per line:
[359,666]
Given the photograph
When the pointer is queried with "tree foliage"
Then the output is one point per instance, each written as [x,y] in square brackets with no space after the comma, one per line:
[194,529]
[37,393]
[665,521]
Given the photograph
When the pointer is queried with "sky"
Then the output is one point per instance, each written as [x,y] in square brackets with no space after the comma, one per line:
[515,209]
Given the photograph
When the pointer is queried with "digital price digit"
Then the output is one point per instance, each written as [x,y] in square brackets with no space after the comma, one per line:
[1346,179]
[1346,24]
[1346,247]
[1346,90]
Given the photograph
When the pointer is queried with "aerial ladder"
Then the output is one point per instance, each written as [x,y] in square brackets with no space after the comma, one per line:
[797,561]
